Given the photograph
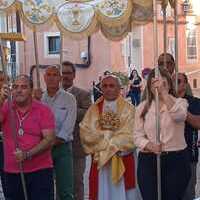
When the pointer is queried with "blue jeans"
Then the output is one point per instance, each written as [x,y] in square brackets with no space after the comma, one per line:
[1,167]
[135,97]
[39,185]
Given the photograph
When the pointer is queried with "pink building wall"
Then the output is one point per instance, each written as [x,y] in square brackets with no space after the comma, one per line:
[105,55]
[184,64]
[117,60]
[149,47]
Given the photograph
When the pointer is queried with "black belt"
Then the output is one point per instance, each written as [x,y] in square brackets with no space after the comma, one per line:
[165,153]
[61,144]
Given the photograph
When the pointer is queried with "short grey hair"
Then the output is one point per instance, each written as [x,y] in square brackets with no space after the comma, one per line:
[116,78]
[26,77]
[53,67]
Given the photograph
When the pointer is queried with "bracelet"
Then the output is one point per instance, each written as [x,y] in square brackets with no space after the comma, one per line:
[28,155]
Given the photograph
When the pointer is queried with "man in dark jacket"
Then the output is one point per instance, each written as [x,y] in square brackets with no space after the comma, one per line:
[191,132]
[83,102]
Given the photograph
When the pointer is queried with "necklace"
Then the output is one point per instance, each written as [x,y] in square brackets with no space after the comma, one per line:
[21,119]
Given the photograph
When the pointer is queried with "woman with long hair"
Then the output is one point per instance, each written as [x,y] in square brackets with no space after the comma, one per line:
[175,170]
[135,87]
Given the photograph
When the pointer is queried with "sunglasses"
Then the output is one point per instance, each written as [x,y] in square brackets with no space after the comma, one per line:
[180,81]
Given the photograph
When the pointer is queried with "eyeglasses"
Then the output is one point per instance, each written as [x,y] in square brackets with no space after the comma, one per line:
[67,73]
[167,62]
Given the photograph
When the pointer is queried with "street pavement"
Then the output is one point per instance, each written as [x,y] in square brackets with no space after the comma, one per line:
[86,180]
[1,193]
[198,179]
[87,173]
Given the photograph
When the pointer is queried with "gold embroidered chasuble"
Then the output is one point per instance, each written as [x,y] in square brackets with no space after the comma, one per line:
[103,144]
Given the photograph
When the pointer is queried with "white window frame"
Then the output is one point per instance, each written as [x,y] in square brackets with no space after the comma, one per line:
[169,11]
[171,46]
[46,44]
[192,60]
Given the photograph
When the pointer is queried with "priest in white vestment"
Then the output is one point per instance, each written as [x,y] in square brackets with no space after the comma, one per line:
[107,135]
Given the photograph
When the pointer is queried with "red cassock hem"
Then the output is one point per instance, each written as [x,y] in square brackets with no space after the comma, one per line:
[129,176]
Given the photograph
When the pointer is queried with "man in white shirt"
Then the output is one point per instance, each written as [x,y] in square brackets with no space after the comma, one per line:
[63,105]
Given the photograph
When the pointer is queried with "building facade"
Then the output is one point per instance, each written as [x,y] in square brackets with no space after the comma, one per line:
[135,51]
[139,45]
[104,54]
[8,24]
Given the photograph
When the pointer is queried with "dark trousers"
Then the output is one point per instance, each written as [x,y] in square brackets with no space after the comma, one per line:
[39,185]
[1,167]
[175,175]
[190,191]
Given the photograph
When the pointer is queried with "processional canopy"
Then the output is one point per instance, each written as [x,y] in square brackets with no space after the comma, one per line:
[81,18]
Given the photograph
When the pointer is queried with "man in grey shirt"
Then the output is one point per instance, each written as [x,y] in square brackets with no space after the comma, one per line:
[64,108]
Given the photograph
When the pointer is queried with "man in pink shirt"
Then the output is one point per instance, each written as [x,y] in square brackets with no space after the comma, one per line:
[28,128]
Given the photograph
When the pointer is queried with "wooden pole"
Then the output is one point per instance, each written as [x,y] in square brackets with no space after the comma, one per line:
[176,42]
[155,36]
[61,48]
[13,124]
[3,62]
[165,35]
[36,58]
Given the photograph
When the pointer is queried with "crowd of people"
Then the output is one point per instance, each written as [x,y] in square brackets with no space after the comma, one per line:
[47,135]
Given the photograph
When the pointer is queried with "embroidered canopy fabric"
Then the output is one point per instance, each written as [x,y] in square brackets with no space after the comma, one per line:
[81,18]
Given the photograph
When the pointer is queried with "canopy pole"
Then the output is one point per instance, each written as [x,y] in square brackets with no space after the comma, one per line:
[165,35]
[155,33]
[61,49]
[36,57]
[155,38]
[176,42]
[3,62]
[13,123]
[7,23]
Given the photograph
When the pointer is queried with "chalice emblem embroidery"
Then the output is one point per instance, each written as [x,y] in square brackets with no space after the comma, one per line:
[76,14]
